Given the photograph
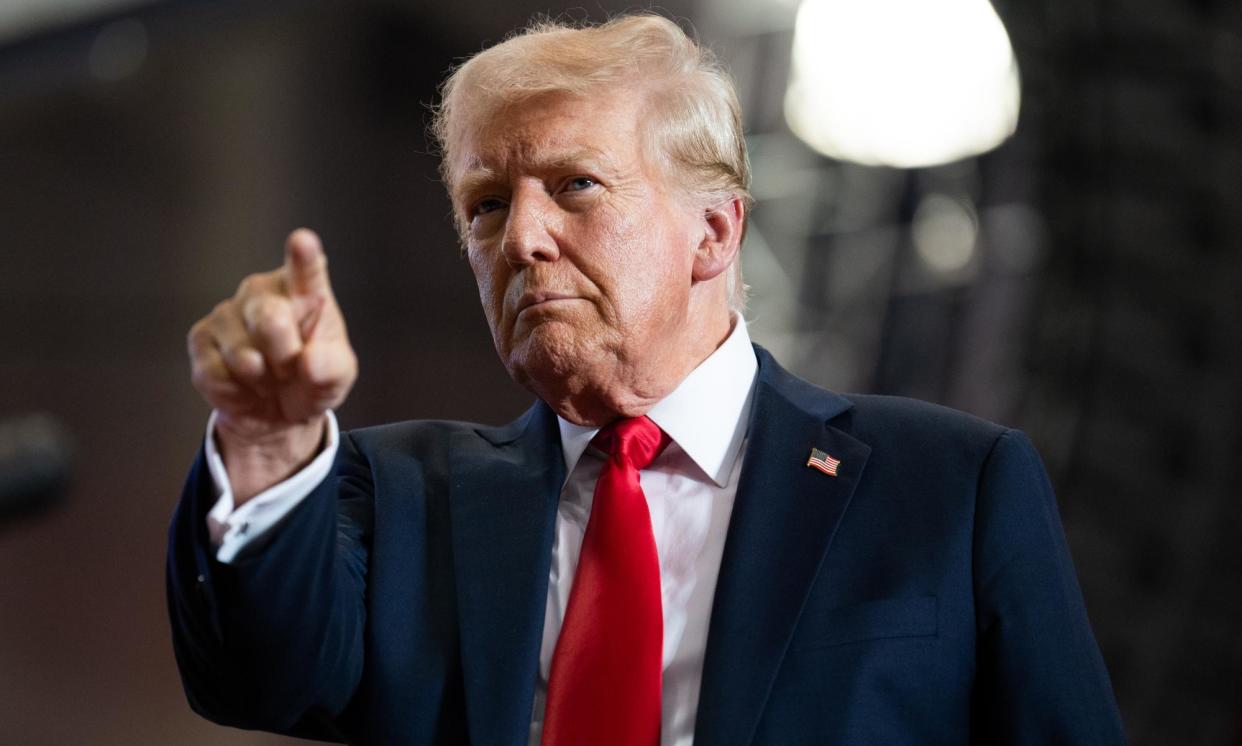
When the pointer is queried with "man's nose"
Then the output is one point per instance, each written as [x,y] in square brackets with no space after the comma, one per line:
[529,230]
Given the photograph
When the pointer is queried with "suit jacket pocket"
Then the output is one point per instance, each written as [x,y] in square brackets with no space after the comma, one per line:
[889,618]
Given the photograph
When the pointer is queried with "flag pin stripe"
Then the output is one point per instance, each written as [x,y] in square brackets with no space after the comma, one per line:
[822,461]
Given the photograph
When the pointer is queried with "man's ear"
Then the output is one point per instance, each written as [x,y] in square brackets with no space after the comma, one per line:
[722,237]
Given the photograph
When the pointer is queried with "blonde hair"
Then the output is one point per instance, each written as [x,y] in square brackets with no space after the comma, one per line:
[695,127]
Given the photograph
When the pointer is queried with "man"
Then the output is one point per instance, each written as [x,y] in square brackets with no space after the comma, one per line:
[679,541]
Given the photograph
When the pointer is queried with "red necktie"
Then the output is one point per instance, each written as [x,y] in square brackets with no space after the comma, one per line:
[604,688]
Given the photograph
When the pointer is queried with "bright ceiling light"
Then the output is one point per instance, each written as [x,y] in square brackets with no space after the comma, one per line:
[905,83]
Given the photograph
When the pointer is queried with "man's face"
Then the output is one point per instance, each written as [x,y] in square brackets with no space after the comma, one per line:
[582,251]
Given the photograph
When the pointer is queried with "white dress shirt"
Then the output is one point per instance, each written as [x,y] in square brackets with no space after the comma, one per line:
[690,489]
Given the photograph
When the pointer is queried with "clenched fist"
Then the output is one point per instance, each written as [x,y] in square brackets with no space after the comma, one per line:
[271,360]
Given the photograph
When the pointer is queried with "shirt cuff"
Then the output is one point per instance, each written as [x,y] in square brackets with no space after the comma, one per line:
[232,530]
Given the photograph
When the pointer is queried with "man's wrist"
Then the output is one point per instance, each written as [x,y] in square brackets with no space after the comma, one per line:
[255,461]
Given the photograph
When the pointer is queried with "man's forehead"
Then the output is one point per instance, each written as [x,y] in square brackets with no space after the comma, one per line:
[551,129]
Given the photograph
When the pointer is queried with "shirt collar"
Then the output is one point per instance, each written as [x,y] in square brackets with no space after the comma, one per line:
[706,415]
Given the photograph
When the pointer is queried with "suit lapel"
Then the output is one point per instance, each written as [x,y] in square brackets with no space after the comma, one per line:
[505,487]
[784,517]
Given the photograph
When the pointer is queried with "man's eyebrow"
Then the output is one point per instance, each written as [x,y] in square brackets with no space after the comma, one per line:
[478,176]
[473,180]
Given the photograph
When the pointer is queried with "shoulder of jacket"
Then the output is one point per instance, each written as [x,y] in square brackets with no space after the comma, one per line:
[918,423]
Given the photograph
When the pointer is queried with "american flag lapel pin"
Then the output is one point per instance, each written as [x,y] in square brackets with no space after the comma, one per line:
[822,461]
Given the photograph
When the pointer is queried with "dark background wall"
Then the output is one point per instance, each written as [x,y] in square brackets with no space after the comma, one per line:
[149,159]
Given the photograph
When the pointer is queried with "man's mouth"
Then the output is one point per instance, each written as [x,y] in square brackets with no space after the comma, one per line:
[531,300]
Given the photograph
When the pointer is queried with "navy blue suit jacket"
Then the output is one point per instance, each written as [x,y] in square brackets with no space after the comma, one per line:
[924,595]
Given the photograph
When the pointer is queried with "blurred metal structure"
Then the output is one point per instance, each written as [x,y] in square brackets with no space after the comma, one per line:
[1138,357]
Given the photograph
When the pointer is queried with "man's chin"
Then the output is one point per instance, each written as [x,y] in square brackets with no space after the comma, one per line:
[548,354]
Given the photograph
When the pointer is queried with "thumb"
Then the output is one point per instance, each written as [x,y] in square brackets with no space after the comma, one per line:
[306,266]
[330,371]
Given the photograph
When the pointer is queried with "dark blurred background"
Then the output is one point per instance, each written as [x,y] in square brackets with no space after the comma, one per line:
[1080,281]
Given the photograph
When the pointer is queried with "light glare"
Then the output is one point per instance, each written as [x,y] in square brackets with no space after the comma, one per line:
[905,83]
[945,232]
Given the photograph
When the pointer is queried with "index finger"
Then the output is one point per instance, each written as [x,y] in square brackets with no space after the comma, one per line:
[306,266]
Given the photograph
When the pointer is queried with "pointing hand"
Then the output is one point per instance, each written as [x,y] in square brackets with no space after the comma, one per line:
[271,360]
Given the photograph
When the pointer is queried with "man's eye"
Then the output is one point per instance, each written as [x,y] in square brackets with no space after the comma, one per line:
[578,183]
[488,205]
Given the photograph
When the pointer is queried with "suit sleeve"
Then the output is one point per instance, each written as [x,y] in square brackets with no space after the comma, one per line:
[274,640]
[1041,678]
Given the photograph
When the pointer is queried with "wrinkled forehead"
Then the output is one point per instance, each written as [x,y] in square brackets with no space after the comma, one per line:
[550,126]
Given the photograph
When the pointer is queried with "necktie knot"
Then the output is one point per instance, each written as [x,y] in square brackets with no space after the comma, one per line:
[636,440]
